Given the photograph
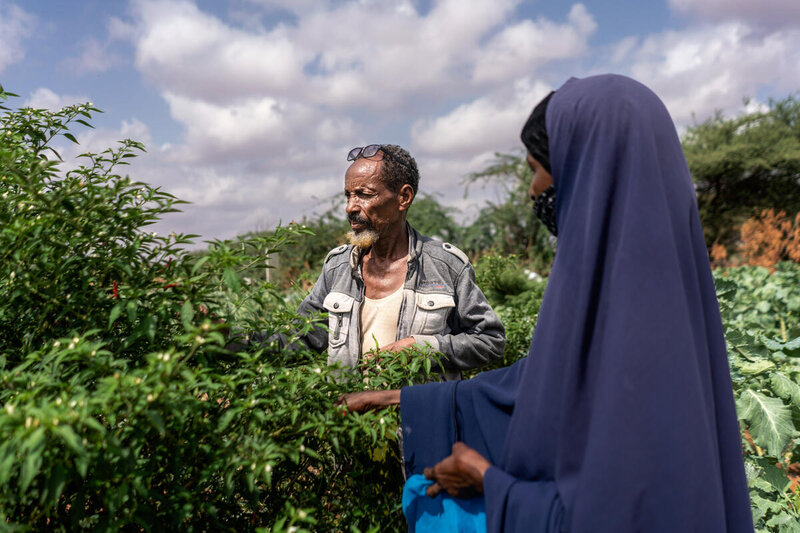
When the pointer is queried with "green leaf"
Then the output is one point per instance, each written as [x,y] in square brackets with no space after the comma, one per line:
[30,467]
[199,264]
[769,420]
[231,279]
[116,311]
[776,477]
[787,523]
[132,307]
[792,345]
[758,367]
[157,421]
[226,419]
[785,387]
[70,438]
[765,505]
[149,325]
[71,137]
[56,481]
[187,314]
[82,465]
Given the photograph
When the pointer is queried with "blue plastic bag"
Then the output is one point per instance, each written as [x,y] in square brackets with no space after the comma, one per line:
[443,513]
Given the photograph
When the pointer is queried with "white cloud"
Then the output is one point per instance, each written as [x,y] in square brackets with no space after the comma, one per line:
[382,58]
[350,54]
[120,30]
[44,98]
[772,13]
[94,57]
[489,123]
[706,68]
[269,113]
[224,200]
[527,45]
[249,125]
[16,25]
[319,188]
[188,52]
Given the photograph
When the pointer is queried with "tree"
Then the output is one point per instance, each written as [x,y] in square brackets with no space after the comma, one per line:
[509,226]
[743,165]
[431,218]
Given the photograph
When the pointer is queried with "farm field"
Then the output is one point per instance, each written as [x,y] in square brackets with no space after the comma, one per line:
[121,409]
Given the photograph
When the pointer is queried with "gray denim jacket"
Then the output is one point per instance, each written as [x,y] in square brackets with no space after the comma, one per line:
[442,306]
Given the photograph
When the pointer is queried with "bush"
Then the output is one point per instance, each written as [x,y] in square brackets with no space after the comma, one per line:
[120,406]
[515,293]
[761,314]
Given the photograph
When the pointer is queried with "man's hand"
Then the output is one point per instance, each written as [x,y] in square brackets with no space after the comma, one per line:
[398,346]
[460,474]
[359,402]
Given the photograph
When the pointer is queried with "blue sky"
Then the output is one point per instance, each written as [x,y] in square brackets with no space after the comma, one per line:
[248,107]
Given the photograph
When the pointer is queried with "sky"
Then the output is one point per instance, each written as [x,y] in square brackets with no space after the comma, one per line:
[249,107]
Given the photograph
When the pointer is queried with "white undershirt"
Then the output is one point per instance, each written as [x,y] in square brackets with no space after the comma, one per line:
[379,320]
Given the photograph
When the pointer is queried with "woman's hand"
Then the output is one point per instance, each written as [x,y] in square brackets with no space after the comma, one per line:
[461,474]
[359,402]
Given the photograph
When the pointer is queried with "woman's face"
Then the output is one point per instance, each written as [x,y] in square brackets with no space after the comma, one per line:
[541,180]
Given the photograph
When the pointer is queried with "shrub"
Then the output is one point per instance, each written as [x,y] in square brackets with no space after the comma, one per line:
[761,314]
[515,294]
[119,406]
[770,238]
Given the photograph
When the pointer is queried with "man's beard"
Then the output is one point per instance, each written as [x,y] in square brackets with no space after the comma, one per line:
[364,238]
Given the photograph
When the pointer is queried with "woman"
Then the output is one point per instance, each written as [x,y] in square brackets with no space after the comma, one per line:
[622,416]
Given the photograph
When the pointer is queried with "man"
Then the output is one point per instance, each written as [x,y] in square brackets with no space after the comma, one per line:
[391,287]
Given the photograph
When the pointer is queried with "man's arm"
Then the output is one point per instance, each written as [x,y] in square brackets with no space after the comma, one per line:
[478,336]
[316,339]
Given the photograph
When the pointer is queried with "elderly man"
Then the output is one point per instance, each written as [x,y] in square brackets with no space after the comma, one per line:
[391,287]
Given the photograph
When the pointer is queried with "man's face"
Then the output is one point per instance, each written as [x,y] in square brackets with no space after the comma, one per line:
[371,205]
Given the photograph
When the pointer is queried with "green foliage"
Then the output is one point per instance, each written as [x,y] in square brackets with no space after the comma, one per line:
[515,294]
[509,226]
[120,407]
[761,314]
[431,218]
[743,165]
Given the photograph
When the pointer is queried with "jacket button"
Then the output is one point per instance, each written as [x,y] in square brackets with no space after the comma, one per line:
[430,303]
[336,305]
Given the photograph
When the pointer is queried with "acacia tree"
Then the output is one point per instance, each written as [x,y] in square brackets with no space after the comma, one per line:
[743,165]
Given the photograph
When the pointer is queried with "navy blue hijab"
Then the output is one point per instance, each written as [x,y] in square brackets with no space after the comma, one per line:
[622,416]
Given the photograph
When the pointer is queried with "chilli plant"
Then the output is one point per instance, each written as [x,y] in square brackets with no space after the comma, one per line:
[120,407]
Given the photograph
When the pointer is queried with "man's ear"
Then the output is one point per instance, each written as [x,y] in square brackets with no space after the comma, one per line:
[406,196]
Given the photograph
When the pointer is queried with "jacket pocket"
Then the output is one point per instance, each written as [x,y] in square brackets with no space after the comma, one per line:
[339,306]
[432,312]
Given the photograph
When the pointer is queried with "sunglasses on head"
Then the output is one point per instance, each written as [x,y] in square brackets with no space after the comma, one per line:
[371,150]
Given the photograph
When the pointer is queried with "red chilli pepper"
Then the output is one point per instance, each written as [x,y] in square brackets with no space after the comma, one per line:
[115,292]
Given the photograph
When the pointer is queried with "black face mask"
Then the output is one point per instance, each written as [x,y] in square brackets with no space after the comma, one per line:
[545,208]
